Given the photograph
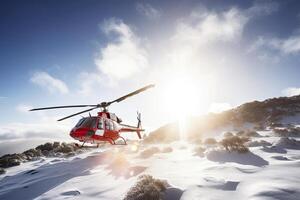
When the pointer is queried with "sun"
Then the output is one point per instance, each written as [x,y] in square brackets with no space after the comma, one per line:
[183,95]
[180,97]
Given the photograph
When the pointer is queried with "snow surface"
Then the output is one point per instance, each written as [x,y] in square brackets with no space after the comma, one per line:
[266,172]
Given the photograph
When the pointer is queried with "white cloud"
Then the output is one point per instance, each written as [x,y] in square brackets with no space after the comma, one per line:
[198,37]
[124,56]
[288,45]
[45,126]
[23,108]
[262,8]
[33,130]
[259,48]
[291,91]
[47,81]
[219,107]
[207,27]
[88,83]
[147,10]
[204,26]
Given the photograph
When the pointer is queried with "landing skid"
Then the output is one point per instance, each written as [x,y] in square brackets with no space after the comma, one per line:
[111,141]
[82,144]
[125,143]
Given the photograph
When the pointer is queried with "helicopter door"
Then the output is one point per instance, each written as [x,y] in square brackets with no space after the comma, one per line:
[100,127]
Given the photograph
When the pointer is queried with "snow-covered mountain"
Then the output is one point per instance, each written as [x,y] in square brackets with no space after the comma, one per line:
[250,152]
[258,115]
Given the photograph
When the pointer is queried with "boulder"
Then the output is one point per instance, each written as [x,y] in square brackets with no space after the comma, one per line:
[32,153]
[56,145]
[48,149]
[227,134]
[45,153]
[210,141]
[47,146]
[9,161]
[66,148]
[2,171]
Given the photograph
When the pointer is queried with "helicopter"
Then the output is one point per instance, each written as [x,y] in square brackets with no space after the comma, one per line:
[105,127]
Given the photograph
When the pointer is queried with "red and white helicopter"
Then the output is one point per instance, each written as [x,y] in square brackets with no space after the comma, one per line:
[106,127]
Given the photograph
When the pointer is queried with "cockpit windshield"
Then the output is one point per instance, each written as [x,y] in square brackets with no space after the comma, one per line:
[80,122]
[88,122]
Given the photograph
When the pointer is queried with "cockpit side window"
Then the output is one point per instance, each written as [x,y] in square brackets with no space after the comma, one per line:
[100,124]
[111,126]
[107,125]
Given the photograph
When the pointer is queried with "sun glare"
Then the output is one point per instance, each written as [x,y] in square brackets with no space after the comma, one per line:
[182,97]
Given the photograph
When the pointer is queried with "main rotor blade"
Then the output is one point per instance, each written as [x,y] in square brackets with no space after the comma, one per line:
[131,94]
[56,107]
[77,114]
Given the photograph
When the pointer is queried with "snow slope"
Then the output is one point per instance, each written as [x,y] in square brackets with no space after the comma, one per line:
[108,173]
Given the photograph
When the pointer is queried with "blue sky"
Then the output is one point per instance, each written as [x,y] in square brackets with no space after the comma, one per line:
[205,55]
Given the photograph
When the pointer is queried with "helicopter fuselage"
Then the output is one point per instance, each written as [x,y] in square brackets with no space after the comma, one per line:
[105,127]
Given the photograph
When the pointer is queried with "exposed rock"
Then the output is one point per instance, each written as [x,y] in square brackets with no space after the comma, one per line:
[32,153]
[56,144]
[67,148]
[10,160]
[48,150]
[210,141]
[47,146]
[45,153]
[291,131]
[227,134]
[2,171]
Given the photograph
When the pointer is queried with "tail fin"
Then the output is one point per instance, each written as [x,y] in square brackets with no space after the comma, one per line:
[139,125]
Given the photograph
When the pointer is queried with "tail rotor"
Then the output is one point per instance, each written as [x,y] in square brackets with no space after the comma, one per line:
[139,125]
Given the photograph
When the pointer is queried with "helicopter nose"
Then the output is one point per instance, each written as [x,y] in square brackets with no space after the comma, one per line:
[72,133]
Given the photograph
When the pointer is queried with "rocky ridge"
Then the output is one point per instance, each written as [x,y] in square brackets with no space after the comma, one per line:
[55,149]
